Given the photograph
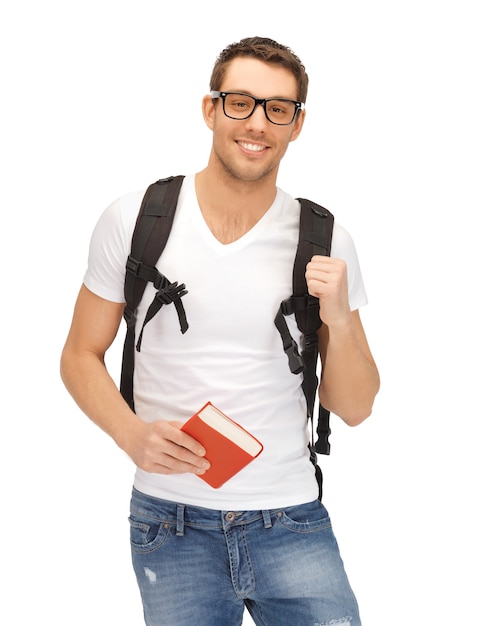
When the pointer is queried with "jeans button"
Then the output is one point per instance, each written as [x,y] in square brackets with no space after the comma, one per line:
[230,516]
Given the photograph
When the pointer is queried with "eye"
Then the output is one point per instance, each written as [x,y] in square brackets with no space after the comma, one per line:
[279,108]
[237,101]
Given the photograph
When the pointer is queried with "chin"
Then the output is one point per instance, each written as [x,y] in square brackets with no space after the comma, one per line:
[250,174]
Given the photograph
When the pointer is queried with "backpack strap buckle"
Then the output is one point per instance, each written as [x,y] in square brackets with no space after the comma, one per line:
[287,306]
[296,363]
[133,265]
[171,292]
[293,304]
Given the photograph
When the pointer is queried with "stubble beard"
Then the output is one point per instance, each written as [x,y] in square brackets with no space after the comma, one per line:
[252,173]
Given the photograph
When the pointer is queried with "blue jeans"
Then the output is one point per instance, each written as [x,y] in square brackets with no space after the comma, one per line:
[198,566]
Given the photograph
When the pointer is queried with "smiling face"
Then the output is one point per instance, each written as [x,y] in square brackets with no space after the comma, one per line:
[251,150]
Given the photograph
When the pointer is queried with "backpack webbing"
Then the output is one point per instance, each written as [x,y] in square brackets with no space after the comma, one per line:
[149,238]
[150,235]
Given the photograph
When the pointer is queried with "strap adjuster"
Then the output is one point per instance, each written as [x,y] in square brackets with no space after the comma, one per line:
[171,293]
[297,303]
[287,306]
[296,362]
[133,265]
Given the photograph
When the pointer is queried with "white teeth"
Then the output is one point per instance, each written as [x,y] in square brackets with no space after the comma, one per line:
[252,146]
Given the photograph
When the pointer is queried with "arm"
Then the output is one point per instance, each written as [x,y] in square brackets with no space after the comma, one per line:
[350,379]
[160,446]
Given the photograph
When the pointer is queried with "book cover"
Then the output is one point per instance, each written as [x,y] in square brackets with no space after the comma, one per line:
[229,447]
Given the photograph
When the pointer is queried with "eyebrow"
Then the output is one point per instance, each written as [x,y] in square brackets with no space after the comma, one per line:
[244,92]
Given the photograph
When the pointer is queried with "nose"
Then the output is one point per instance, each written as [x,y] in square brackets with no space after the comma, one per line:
[257,120]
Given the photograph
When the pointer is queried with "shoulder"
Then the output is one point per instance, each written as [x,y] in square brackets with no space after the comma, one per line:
[116,223]
[342,242]
[343,247]
[123,211]
[110,245]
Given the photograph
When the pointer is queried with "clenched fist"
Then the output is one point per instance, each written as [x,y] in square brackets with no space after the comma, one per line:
[327,280]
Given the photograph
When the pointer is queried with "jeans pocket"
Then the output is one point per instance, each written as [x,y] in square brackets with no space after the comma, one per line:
[305,518]
[147,535]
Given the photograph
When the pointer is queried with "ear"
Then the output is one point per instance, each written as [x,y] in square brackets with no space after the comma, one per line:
[299,122]
[208,111]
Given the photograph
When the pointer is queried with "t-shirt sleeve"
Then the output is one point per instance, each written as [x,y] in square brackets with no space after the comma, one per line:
[109,248]
[343,247]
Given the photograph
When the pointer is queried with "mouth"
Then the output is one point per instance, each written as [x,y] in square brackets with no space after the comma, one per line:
[254,148]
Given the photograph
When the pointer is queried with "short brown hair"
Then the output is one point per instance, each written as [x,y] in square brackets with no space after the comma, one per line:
[266,50]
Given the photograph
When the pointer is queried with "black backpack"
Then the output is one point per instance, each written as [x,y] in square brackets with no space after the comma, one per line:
[149,238]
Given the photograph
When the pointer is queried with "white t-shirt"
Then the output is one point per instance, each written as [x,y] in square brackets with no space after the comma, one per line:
[232,354]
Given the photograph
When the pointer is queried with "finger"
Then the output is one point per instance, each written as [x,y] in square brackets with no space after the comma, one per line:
[174,459]
[170,465]
[182,455]
[185,440]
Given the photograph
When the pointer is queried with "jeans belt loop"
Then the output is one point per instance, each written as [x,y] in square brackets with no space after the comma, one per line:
[180,520]
[267,520]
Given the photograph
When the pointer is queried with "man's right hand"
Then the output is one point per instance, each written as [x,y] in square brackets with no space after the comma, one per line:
[163,448]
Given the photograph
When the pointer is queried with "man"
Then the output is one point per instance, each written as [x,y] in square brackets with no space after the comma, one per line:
[263,539]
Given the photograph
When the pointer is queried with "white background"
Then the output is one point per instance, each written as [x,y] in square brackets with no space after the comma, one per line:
[100,98]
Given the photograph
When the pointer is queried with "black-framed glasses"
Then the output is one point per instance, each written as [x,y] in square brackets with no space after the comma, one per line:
[240,106]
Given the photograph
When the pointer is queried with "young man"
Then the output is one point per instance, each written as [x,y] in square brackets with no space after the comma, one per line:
[263,539]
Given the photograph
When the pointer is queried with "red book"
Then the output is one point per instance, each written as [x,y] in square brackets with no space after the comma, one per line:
[229,447]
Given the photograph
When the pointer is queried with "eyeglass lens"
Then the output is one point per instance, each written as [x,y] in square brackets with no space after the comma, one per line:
[240,107]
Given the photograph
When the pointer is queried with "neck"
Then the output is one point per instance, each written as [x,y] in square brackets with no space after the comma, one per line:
[232,207]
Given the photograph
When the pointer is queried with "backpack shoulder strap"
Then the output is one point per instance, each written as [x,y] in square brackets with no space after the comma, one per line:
[315,237]
[149,238]
[317,224]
